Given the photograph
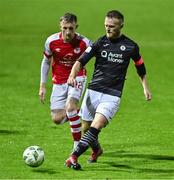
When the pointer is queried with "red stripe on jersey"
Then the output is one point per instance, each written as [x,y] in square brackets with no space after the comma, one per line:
[74,118]
[139,62]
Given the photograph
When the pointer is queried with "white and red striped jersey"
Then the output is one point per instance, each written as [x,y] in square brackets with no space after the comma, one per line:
[64,55]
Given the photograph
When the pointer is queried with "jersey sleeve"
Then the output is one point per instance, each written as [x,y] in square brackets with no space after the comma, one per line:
[88,54]
[136,54]
[87,42]
[138,62]
[47,50]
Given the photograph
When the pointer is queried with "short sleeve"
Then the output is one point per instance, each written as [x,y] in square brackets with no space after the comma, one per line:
[136,54]
[88,54]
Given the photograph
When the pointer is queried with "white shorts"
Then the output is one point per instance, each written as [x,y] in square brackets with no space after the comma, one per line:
[62,92]
[102,103]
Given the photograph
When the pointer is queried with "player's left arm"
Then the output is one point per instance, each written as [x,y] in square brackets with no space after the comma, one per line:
[141,70]
[147,92]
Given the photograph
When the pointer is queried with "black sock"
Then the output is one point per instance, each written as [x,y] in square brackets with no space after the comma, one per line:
[88,139]
[95,146]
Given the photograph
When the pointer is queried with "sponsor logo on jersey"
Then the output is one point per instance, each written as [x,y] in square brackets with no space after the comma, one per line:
[57,49]
[67,60]
[77,50]
[123,48]
[105,45]
[112,57]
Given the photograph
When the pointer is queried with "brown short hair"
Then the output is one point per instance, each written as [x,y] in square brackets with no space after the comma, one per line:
[69,17]
[115,14]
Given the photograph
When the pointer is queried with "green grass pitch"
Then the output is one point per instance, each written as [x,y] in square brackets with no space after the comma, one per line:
[139,143]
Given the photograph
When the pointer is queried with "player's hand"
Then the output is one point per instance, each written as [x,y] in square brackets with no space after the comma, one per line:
[147,94]
[42,92]
[72,81]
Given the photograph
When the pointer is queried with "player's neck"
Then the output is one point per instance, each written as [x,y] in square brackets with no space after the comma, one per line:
[114,38]
[68,40]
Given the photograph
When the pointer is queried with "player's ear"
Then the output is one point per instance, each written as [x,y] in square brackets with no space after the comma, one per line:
[77,26]
[121,26]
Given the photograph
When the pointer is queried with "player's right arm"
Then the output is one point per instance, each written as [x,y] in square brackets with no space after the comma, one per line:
[45,66]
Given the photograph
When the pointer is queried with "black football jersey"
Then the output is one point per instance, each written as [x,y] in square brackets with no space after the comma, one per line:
[112,60]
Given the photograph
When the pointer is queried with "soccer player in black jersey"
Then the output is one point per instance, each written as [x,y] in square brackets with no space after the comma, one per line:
[113,52]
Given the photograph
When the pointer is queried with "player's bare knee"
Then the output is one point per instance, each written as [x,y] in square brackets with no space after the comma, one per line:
[70,108]
[57,118]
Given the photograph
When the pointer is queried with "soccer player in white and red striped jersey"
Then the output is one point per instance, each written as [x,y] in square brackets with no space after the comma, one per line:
[62,49]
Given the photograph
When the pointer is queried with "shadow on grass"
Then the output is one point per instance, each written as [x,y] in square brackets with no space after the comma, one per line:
[136,159]
[45,171]
[124,154]
[113,166]
[9,132]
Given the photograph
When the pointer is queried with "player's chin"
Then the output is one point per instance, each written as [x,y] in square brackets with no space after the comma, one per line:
[68,39]
[109,35]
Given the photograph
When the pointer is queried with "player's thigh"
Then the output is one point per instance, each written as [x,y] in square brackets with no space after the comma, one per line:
[58,96]
[71,104]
